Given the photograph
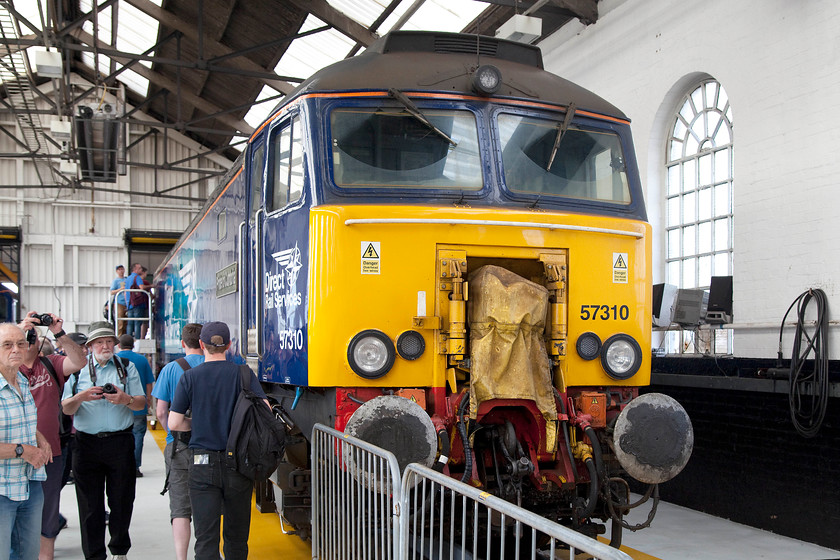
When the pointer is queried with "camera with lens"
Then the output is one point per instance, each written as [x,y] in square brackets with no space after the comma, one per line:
[109,388]
[45,319]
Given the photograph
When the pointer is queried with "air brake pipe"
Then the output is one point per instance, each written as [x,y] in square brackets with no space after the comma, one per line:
[465,440]
[443,439]
[596,453]
[566,435]
[593,489]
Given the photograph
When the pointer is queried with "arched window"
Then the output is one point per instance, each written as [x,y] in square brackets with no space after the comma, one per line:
[698,161]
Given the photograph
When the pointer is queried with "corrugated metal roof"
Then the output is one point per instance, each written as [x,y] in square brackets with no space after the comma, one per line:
[213,66]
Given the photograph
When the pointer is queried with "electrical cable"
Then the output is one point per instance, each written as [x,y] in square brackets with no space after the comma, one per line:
[807,411]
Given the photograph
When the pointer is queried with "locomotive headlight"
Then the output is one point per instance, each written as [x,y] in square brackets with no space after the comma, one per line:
[487,80]
[371,354]
[621,356]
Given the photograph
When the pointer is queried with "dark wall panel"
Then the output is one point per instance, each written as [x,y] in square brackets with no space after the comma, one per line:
[751,466]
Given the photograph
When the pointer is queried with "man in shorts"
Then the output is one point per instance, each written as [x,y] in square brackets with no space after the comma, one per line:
[177,453]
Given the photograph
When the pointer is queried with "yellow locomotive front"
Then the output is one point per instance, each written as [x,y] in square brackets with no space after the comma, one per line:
[479,281]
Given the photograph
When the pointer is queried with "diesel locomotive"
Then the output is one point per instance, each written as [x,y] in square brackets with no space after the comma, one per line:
[442,248]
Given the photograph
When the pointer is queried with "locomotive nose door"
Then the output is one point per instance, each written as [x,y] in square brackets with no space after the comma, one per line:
[275,317]
[249,307]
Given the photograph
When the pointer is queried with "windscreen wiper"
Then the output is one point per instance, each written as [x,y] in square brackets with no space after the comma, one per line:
[415,112]
[561,130]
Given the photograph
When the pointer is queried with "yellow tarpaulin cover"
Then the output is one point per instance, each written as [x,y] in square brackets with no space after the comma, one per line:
[508,358]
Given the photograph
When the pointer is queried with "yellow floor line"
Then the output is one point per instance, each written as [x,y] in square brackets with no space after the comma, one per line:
[632,552]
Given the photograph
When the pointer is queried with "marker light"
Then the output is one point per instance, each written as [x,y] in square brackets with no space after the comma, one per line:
[588,346]
[621,356]
[410,345]
[487,80]
[371,354]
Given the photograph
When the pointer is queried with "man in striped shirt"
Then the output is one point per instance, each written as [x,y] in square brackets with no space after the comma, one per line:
[23,453]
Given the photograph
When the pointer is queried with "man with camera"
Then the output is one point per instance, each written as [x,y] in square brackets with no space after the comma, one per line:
[102,397]
[46,376]
[23,453]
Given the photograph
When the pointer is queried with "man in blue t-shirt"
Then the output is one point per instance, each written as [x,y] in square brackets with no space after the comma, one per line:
[121,299]
[210,391]
[135,312]
[177,455]
[147,379]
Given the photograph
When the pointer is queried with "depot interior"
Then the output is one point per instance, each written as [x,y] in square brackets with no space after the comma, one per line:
[119,118]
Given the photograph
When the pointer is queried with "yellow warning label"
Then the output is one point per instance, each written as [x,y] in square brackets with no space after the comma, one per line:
[370,252]
[620,268]
[370,257]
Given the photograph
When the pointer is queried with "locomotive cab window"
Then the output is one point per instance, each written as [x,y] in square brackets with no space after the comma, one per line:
[388,147]
[542,158]
[286,174]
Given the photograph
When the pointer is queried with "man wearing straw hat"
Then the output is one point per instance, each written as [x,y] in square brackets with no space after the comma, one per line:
[102,397]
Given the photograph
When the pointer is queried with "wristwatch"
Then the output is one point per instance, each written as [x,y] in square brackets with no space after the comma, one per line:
[18,450]
[131,400]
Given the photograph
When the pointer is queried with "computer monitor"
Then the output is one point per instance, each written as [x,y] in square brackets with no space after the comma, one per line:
[664,297]
[720,300]
[690,306]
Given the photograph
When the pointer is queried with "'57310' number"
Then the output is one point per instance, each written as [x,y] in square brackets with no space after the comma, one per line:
[604,312]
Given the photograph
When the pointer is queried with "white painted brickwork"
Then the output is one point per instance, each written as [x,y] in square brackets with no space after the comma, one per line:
[777,61]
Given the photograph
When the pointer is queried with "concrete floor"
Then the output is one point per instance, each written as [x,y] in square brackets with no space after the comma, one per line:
[676,533]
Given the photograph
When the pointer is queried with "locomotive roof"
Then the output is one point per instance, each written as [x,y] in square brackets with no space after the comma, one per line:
[433,61]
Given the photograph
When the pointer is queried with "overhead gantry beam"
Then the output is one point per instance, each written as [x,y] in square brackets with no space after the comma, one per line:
[338,20]
[585,10]
[163,82]
[212,49]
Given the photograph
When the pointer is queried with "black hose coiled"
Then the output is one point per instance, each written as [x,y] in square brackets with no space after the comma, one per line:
[465,440]
[807,412]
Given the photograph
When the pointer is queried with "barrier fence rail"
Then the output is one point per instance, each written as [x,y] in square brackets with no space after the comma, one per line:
[362,509]
[355,498]
[447,519]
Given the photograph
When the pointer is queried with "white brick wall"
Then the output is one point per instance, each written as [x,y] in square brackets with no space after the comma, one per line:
[778,62]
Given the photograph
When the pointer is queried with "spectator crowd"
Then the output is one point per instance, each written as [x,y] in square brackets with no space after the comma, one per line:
[77,412]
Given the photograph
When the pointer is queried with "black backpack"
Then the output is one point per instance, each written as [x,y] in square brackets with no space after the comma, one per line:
[257,439]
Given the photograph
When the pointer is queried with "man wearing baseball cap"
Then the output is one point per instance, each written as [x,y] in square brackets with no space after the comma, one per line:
[102,397]
[211,390]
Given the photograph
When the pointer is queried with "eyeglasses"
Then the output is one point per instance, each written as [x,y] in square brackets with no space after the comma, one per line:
[21,345]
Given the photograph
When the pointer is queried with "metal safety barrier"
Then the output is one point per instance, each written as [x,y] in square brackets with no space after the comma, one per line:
[448,519]
[362,509]
[112,305]
[355,498]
